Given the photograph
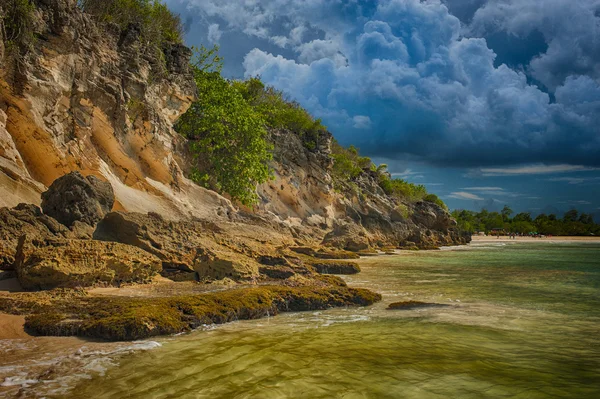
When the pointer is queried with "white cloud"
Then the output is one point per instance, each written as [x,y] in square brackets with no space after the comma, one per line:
[534,170]
[362,122]
[569,27]
[462,195]
[483,189]
[214,33]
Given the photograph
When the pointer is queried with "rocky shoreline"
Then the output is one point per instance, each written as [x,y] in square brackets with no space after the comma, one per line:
[96,194]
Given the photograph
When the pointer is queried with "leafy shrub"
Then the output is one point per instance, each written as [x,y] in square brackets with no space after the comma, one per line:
[227,136]
[158,24]
[348,164]
[17,22]
[279,112]
[436,200]
[401,188]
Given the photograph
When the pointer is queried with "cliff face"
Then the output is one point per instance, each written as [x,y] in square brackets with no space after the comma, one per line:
[96,99]
[353,217]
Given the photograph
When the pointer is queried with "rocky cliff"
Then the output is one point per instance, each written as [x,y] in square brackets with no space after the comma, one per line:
[94,98]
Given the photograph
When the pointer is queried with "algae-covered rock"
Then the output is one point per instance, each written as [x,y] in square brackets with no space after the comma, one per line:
[74,197]
[277,272]
[336,267]
[48,264]
[123,318]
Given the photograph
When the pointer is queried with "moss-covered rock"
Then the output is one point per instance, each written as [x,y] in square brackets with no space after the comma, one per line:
[123,318]
[336,267]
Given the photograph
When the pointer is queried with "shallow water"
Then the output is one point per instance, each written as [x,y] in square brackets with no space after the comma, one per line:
[522,321]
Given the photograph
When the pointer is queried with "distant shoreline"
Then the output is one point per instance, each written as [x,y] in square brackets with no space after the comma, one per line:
[484,239]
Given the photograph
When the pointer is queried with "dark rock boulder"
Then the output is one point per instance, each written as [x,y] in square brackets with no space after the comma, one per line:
[75,198]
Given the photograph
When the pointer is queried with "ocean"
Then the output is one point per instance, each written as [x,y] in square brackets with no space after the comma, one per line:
[511,320]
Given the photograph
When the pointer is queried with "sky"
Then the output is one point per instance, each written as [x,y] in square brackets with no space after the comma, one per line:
[486,103]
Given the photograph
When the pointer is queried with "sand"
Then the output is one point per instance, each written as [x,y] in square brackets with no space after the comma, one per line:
[11,327]
[557,239]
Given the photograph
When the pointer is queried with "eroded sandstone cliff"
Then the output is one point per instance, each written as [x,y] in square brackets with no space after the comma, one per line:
[94,98]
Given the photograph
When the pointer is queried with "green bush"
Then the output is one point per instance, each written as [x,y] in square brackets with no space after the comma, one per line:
[436,200]
[227,136]
[279,112]
[158,24]
[347,163]
[17,22]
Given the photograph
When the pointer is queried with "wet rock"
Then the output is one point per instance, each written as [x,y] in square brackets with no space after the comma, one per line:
[64,263]
[273,260]
[277,272]
[75,198]
[336,267]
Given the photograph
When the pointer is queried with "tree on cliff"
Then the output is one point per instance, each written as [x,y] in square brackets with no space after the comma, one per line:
[227,136]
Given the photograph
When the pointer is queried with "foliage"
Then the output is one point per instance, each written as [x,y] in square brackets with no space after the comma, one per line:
[402,189]
[157,23]
[17,22]
[573,223]
[436,200]
[281,113]
[227,136]
[348,164]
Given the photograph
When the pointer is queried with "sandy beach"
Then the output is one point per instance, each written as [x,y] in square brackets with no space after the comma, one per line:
[557,239]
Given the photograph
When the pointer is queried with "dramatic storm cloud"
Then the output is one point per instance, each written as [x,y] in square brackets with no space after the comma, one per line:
[483,85]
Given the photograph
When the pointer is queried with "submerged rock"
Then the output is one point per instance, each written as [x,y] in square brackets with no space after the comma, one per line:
[336,267]
[409,305]
[48,264]
[75,198]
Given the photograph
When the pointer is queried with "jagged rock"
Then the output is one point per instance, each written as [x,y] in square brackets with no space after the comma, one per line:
[218,265]
[336,267]
[173,242]
[273,260]
[25,219]
[277,272]
[75,198]
[48,264]
[348,236]
[432,216]
[188,246]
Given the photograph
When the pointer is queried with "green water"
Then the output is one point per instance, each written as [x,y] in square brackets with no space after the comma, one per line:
[522,321]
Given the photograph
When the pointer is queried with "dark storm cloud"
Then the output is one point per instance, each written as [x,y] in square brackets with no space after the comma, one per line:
[405,79]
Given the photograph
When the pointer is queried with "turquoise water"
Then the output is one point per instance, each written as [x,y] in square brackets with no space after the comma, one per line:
[520,321]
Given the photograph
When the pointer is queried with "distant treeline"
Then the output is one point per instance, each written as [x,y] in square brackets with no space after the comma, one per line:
[572,223]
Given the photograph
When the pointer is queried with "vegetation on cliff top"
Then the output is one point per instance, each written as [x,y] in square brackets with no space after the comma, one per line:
[156,22]
[571,224]
[16,22]
[227,128]
[349,165]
